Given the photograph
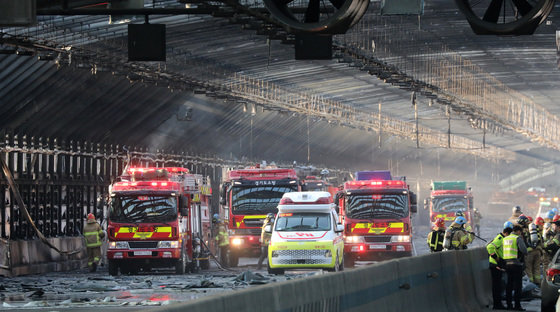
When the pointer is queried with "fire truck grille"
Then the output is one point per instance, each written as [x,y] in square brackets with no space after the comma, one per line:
[377,239]
[142,244]
[253,222]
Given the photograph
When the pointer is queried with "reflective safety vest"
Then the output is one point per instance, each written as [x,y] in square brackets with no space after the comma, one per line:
[435,240]
[223,237]
[495,247]
[93,234]
[510,247]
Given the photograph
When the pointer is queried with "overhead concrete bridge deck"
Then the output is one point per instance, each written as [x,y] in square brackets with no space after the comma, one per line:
[421,96]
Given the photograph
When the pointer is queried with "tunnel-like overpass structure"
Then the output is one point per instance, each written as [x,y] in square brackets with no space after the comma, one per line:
[419,95]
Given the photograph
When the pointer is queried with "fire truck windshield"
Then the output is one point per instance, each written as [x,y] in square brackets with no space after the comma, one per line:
[376,206]
[303,222]
[314,186]
[143,208]
[254,200]
[449,204]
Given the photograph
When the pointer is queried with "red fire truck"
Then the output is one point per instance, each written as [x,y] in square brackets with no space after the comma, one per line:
[376,215]
[247,196]
[158,217]
[447,198]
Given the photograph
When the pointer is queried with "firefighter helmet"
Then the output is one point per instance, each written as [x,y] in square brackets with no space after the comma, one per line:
[530,219]
[508,225]
[459,214]
[90,216]
[440,223]
[556,218]
[270,216]
[460,220]
[523,220]
[550,214]
[539,221]
[516,209]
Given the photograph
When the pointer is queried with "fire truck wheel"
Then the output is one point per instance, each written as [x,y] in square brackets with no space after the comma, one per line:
[233,259]
[181,263]
[205,264]
[113,268]
[349,261]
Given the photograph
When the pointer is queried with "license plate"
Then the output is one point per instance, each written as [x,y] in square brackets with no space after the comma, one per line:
[377,247]
[143,253]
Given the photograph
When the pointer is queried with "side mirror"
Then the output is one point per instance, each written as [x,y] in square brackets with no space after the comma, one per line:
[413,199]
[413,208]
[339,228]
[183,205]
[184,212]
[223,194]
[268,228]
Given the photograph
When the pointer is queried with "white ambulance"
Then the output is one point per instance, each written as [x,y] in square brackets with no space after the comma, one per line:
[306,234]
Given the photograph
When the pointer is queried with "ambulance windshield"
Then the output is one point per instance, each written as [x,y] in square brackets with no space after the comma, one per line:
[303,222]
[143,208]
[254,200]
[376,206]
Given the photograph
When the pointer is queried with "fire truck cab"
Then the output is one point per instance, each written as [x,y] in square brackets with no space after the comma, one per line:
[247,196]
[377,218]
[158,217]
[447,198]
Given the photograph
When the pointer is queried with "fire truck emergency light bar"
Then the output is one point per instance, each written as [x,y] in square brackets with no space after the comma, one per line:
[146,185]
[152,169]
[383,183]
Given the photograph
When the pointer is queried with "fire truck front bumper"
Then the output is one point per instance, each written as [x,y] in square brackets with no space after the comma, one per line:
[144,254]
[245,245]
[377,251]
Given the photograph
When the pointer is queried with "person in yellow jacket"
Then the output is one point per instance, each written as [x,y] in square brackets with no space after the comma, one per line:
[514,252]
[93,235]
[222,238]
[435,237]
[456,236]
[265,239]
[497,264]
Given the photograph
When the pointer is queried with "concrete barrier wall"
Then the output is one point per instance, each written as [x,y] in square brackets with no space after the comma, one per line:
[447,281]
[33,256]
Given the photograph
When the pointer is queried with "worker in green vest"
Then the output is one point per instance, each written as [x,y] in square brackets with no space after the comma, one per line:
[93,235]
[514,251]
[223,243]
[497,264]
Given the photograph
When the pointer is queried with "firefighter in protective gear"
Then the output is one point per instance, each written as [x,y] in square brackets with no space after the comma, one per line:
[514,251]
[497,264]
[547,234]
[535,251]
[265,239]
[515,213]
[456,236]
[223,243]
[553,244]
[476,220]
[435,237]
[93,235]
[549,216]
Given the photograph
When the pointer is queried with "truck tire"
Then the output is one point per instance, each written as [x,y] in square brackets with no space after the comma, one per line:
[113,268]
[349,261]
[205,264]
[181,263]
[233,259]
